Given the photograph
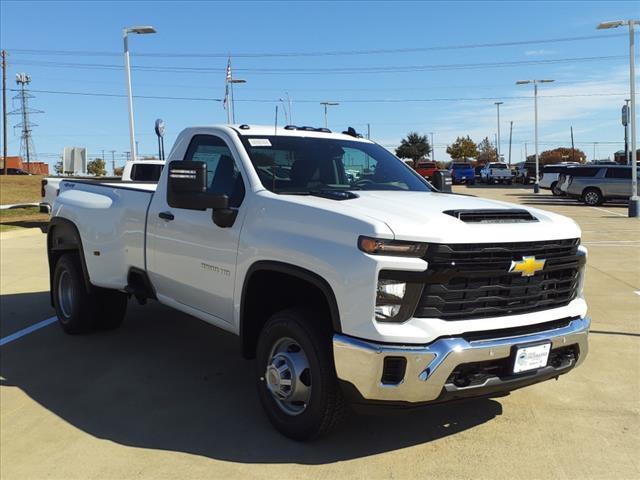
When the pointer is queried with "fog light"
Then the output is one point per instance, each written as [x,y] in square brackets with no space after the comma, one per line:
[389,298]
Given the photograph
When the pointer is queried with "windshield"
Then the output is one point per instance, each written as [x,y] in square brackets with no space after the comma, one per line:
[461,165]
[498,165]
[303,165]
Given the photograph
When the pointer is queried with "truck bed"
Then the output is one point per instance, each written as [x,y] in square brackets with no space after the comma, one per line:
[111,219]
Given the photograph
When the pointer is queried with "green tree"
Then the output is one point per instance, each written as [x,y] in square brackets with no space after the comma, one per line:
[486,152]
[414,147]
[96,167]
[462,148]
[562,154]
[58,168]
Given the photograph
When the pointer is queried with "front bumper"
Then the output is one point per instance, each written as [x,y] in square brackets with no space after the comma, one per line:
[429,368]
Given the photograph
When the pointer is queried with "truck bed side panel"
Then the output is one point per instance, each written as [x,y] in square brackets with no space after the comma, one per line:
[111,222]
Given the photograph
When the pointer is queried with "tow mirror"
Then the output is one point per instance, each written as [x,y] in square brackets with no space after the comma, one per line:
[187,187]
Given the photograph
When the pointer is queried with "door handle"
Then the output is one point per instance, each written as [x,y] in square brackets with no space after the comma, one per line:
[168,216]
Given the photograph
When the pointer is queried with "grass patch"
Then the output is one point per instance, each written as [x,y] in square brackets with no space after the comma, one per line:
[19,189]
[22,218]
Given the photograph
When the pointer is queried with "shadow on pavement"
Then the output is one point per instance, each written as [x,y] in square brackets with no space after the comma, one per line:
[42,225]
[168,381]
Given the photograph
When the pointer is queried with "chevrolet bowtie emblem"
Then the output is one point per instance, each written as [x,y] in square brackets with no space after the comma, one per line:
[527,267]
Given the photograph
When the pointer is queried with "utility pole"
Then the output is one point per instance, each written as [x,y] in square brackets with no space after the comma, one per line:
[510,137]
[113,161]
[573,148]
[326,105]
[498,140]
[368,131]
[4,111]
[526,156]
[290,111]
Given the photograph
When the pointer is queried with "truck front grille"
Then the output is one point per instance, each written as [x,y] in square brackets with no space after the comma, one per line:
[467,281]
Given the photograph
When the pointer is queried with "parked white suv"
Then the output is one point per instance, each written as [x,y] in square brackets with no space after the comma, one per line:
[550,175]
[369,289]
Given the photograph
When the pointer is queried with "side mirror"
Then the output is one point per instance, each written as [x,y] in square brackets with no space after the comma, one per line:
[187,187]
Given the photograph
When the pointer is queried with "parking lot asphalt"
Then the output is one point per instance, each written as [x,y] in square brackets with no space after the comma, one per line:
[168,396]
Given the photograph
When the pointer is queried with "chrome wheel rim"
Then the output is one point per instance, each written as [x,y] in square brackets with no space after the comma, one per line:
[591,198]
[66,294]
[288,376]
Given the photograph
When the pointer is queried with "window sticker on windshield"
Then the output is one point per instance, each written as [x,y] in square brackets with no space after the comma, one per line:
[259,142]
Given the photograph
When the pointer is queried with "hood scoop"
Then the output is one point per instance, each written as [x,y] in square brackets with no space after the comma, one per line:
[492,215]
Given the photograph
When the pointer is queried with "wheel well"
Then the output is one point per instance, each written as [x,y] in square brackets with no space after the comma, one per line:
[592,188]
[275,287]
[63,237]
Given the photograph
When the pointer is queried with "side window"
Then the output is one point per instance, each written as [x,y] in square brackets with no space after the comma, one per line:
[624,173]
[223,175]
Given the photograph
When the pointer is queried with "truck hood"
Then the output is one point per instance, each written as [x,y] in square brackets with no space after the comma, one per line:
[419,216]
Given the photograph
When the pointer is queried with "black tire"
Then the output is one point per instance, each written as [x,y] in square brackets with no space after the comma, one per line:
[592,196]
[74,306]
[80,310]
[555,190]
[472,182]
[325,407]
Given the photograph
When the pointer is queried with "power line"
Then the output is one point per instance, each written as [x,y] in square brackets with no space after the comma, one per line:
[328,71]
[369,100]
[320,53]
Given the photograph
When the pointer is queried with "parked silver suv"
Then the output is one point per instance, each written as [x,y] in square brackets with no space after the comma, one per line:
[596,185]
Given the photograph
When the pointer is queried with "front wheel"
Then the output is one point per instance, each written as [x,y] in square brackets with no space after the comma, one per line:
[295,375]
[592,197]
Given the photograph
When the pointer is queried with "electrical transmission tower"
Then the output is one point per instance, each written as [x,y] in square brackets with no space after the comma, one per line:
[27,148]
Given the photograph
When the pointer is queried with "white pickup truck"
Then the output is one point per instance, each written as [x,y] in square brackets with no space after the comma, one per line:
[370,289]
[496,172]
[138,171]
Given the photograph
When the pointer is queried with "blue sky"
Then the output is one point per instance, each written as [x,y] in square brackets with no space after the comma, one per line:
[587,95]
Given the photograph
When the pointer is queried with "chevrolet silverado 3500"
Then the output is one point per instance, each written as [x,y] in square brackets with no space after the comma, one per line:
[367,289]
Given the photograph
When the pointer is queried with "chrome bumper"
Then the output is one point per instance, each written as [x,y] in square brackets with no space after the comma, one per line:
[428,367]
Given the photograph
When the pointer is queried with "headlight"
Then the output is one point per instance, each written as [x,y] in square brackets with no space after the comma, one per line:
[396,300]
[376,246]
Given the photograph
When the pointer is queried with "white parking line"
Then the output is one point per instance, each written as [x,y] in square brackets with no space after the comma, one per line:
[609,211]
[27,331]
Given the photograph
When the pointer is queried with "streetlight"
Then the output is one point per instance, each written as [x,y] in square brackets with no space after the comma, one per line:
[433,148]
[140,30]
[536,185]
[497,104]
[634,201]
[233,103]
[326,105]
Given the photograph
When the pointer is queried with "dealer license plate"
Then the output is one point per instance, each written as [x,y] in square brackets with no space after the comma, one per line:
[532,357]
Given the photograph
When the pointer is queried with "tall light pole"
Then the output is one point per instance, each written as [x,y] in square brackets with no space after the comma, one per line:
[634,201]
[140,30]
[433,148]
[233,81]
[326,105]
[497,104]
[625,124]
[536,185]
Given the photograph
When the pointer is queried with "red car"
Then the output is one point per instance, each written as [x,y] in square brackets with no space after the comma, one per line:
[426,169]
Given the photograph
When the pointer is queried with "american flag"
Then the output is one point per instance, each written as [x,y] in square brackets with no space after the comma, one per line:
[226,85]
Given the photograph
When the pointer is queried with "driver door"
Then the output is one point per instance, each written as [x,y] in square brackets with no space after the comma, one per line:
[191,260]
